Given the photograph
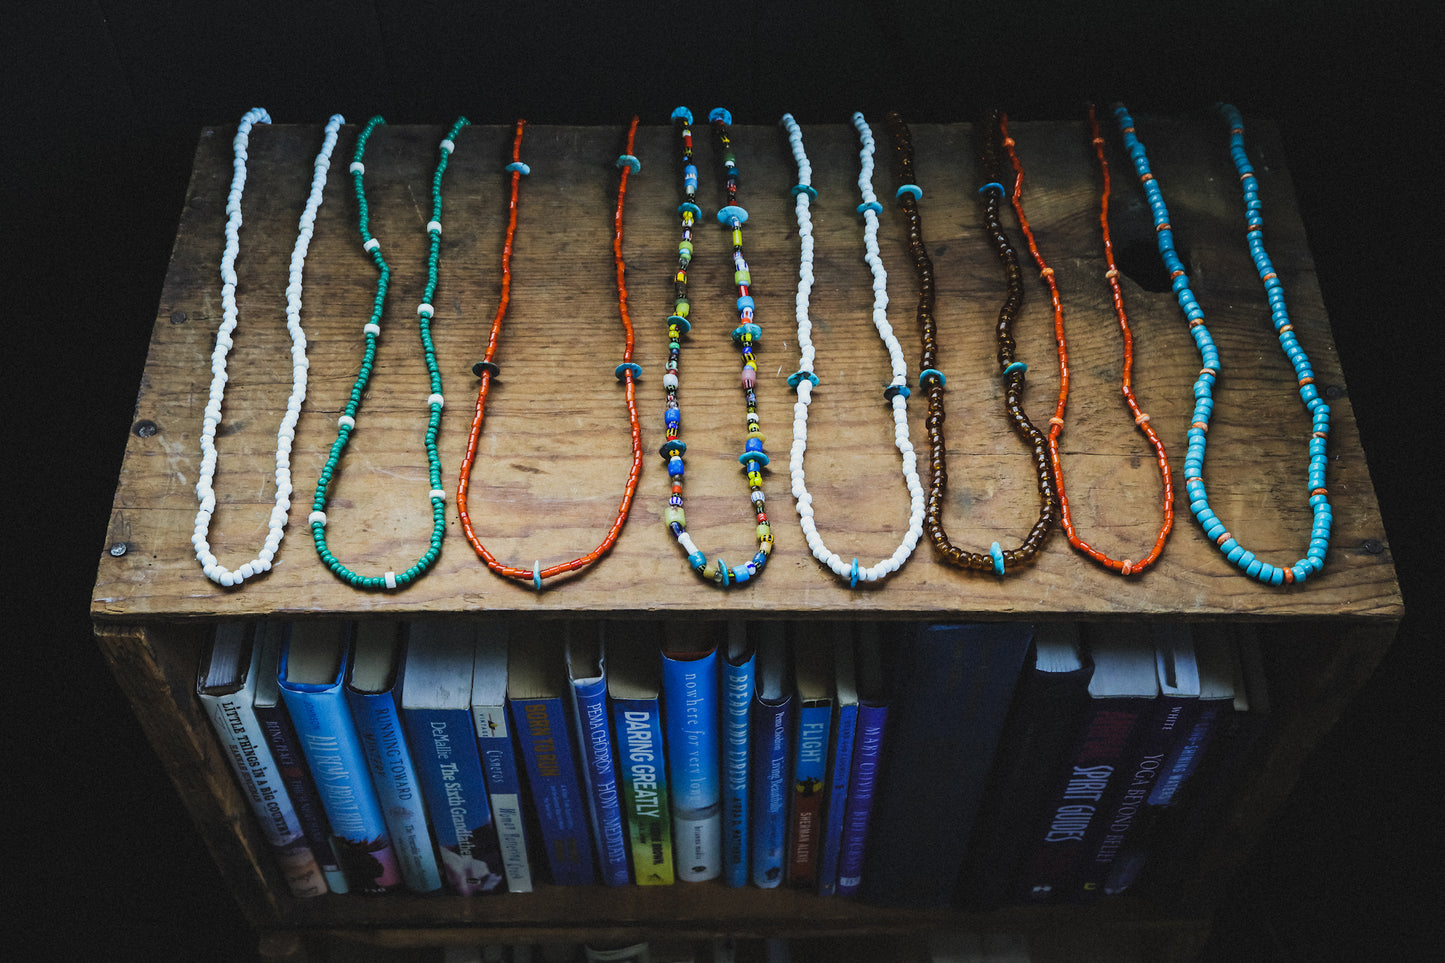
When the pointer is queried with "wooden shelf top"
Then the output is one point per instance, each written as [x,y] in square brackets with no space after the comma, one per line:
[555,449]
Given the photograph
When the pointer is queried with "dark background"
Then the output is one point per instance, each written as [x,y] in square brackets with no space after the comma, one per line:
[103,101]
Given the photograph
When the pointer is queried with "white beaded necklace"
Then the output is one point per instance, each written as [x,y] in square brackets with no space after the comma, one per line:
[287,432]
[897,391]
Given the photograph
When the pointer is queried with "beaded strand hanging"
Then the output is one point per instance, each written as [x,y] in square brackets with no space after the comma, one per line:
[346,424]
[931,380]
[286,434]
[1056,423]
[487,369]
[1314,560]
[746,335]
[896,392]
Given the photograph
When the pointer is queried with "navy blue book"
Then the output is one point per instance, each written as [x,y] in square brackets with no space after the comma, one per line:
[952,686]
[587,673]
[737,700]
[634,684]
[840,757]
[772,729]
[690,684]
[867,756]
[537,694]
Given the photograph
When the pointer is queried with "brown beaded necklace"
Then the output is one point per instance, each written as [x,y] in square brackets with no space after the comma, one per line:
[932,381]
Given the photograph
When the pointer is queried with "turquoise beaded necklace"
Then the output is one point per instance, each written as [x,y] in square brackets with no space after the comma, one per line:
[346,424]
[746,335]
[1314,560]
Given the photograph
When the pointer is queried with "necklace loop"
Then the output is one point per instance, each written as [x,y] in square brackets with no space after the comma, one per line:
[286,434]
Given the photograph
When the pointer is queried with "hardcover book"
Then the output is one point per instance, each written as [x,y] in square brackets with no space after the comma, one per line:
[371,691]
[587,674]
[952,686]
[436,702]
[312,679]
[737,698]
[498,755]
[1122,690]
[634,683]
[286,750]
[690,682]
[225,685]
[867,756]
[772,728]
[813,692]
[840,757]
[538,700]
[1043,723]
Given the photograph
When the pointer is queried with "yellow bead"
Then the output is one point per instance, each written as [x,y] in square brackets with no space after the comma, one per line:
[737,237]
[710,570]
[674,513]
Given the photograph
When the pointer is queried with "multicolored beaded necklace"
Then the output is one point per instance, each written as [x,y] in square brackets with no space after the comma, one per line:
[1056,423]
[932,380]
[286,434]
[627,372]
[346,424]
[1314,561]
[746,335]
[803,381]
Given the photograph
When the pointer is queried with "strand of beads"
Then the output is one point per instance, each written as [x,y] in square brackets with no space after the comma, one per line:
[896,393]
[1056,423]
[746,335]
[286,434]
[627,373]
[346,424]
[1194,487]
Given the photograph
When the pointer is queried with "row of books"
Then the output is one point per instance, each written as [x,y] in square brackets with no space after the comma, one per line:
[907,764]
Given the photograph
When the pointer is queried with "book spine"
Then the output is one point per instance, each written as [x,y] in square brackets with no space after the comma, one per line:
[1185,759]
[737,699]
[810,772]
[690,720]
[504,791]
[286,750]
[338,767]
[840,770]
[378,723]
[643,774]
[772,728]
[862,785]
[450,771]
[256,770]
[557,800]
[595,742]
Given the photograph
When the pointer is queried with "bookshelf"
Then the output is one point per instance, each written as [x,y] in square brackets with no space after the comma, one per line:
[555,451]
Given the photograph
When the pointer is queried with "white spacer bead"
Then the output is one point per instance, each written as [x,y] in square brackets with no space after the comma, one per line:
[448,145]
[372,328]
[390,580]
[433,226]
[316,518]
[435,399]
[346,421]
[357,167]
[437,493]
[371,245]
[425,310]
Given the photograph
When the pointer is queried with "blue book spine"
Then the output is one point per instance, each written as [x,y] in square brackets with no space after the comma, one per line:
[451,776]
[863,782]
[595,736]
[339,770]
[286,749]
[504,790]
[772,729]
[690,723]
[638,723]
[557,799]
[737,699]
[1187,756]
[378,723]
[840,769]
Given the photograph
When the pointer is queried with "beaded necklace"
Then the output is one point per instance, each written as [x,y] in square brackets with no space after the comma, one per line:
[1314,560]
[627,372]
[745,335]
[932,380]
[1056,423]
[286,434]
[346,424]
[803,381]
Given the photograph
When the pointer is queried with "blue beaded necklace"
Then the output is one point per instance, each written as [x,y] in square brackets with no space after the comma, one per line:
[1314,560]
[346,424]
[745,335]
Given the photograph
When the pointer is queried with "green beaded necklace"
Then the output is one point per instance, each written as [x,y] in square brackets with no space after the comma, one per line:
[346,424]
